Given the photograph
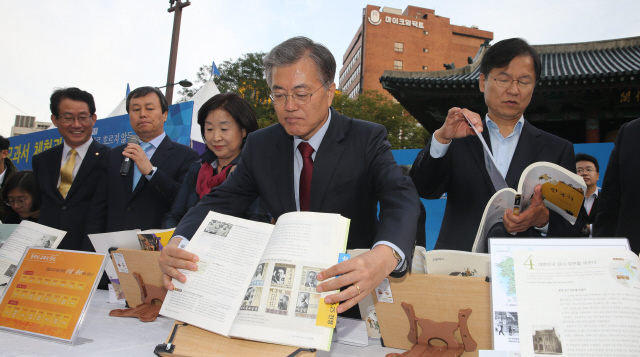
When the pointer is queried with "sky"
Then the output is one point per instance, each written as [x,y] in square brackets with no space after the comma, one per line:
[100,46]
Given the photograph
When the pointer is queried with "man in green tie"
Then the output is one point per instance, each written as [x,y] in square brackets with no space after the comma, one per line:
[66,176]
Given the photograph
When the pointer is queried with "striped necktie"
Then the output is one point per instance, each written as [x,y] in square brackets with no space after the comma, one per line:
[66,173]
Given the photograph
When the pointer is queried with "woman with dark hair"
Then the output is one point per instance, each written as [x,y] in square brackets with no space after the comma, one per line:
[225,121]
[17,198]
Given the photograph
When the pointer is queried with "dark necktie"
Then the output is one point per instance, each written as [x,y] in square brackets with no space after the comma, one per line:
[305,175]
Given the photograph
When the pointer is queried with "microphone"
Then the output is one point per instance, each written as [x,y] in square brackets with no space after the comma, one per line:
[126,163]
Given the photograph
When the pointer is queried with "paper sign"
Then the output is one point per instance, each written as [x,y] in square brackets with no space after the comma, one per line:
[383,291]
[120,263]
[327,314]
[50,291]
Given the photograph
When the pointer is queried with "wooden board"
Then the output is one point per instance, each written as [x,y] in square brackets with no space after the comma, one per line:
[143,262]
[191,341]
[437,298]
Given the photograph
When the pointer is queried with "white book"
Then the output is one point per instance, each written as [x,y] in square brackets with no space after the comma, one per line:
[562,191]
[26,234]
[505,297]
[257,281]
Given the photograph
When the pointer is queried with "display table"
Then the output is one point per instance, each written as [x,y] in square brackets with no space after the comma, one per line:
[130,337]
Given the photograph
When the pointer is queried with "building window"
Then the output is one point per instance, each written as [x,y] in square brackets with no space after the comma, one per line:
[425,50]
[399,47]
[425,68]
[397,65]
[426,32]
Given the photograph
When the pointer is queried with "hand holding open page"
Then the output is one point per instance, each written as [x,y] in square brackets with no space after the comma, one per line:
[543,186]
[255,280]
[458,125]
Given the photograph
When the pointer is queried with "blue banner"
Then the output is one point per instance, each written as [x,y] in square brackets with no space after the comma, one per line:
[112,132]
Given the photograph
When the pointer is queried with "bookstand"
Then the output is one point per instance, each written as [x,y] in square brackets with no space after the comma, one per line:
[186,340]
[142,262]
[438,298]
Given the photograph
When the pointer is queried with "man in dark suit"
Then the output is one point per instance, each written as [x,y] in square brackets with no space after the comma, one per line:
[453,160]
[619,206]
[587,167]
[142,197]
[66,176]
[351,165]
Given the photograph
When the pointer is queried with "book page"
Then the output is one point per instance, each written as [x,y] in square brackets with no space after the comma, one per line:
[563,191]
[578,303]
[229,249]
[281,303]
[504,299]
[27,234]
[457,263]
[493,214]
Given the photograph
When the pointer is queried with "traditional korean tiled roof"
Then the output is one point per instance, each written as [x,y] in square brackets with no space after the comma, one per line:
[588,60]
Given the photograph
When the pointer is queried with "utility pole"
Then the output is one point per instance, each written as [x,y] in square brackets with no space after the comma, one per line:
[176,6]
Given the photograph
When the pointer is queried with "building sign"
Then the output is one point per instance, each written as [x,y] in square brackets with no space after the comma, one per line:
[403,22]
[374,19]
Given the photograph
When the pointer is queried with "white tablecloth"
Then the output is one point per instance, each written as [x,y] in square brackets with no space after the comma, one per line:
[121,337]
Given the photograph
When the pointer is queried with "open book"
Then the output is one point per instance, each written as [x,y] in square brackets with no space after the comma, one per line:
[578,302]
[257,281]
[26,234]
[562,190]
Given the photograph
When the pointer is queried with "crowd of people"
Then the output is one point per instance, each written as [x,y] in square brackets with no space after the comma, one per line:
[315,159]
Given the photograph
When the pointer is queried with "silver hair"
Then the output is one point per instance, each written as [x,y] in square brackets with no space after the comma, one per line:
[297,48]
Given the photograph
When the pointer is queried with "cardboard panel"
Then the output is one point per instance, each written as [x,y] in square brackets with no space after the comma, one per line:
[437,298]
[144,263]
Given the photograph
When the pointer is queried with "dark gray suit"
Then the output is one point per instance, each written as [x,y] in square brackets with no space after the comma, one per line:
[461,173]
[353,171]
[619,206]
[68,214]
[115,207]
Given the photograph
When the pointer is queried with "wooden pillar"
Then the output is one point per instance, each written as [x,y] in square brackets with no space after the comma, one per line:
[592,127]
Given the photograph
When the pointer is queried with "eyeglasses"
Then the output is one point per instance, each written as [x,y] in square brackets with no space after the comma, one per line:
[18,203]
[301,98]
[588,170]
[69,119]
[504,82]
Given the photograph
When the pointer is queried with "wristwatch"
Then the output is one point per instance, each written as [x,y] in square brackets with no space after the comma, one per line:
[153,169]
[396,255]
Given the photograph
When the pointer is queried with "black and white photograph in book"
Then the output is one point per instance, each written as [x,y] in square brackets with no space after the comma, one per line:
[506,324]
[46,241]
[218,228]
[546,340]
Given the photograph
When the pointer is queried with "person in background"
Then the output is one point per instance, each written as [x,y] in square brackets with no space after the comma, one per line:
[17,198]
[587,167]
[7,168]
[66,176]
[225,121]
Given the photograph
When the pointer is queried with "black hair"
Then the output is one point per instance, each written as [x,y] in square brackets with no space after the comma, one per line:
[4,143]
[72,93]
[586,157]
[24,181]
[143,91]
[503,52]
[233,104]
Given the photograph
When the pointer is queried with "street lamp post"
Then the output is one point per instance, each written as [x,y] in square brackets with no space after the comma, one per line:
[176,6]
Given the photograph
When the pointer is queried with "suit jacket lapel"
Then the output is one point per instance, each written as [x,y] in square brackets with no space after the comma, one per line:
[282,167]
[477,152]
[526,152]
[53,167]
[90,159]
[327,159]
